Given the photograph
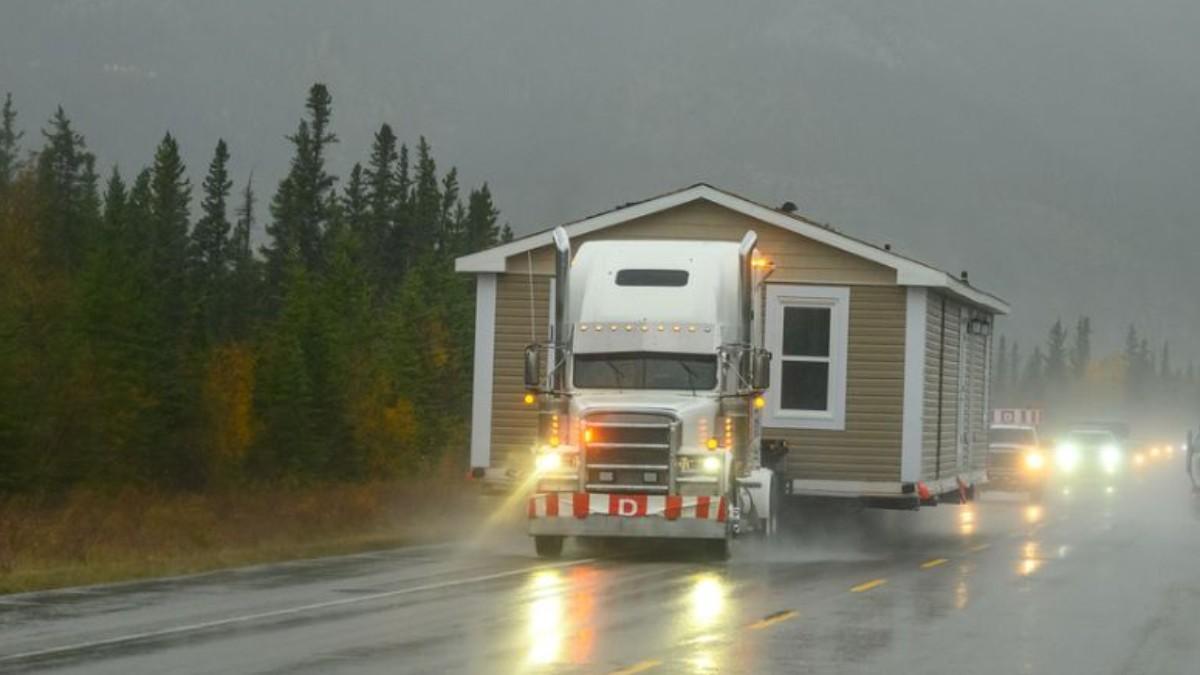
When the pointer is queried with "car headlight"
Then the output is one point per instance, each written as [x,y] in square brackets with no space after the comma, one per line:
[1066,456]
[550,461]
[1034,460]
[1110,458]
[711,464]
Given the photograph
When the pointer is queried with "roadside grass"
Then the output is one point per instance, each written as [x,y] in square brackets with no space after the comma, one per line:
[89,537]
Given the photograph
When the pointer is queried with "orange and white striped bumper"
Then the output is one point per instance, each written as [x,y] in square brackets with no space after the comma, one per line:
[581,505]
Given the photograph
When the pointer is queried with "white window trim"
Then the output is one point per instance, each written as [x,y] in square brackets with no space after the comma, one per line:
[837,300]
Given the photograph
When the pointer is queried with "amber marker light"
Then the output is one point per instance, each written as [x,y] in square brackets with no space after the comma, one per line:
[529,398]
[760,402]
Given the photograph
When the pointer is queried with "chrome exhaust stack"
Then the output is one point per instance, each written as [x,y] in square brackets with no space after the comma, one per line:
[562,296]
[746,285]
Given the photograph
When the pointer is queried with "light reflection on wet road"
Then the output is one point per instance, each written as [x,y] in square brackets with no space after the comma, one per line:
[1101,583]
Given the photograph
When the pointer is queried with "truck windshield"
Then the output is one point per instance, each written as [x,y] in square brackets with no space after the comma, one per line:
[644,370]
[1012,436]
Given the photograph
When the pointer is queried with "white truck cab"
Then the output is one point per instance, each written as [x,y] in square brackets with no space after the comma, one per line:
[649,395]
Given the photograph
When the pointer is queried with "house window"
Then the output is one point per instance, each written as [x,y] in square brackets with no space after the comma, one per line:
[807,331]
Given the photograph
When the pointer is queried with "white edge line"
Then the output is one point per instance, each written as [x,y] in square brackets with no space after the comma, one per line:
[133,637]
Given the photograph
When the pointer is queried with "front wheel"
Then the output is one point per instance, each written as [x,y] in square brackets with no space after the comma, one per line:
[547,546]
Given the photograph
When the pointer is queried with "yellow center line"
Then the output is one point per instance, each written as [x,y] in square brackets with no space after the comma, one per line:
[874,583]
[772,619]
[934,563]
[638,667]
[978,548]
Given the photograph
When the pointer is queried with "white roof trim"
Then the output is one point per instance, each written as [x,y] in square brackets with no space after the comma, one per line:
[908,272]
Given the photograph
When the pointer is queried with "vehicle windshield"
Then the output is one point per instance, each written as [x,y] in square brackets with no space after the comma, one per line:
[645,370]
[1091,439]
[1012,436]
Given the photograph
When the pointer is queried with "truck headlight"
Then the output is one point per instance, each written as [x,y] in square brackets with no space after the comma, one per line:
[1034,460]
[550,461]
[711,464]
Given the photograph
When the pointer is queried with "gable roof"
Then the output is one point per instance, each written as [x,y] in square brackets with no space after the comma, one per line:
[909,272]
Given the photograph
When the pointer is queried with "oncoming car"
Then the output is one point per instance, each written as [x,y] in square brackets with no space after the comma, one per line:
[1090,458]
[1015,459]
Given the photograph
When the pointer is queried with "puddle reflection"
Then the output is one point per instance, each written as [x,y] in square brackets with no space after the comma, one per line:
[559,623]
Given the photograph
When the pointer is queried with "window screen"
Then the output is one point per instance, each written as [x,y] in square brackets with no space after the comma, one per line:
[652,278]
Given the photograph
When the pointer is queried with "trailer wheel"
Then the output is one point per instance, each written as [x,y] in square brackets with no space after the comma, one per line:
[548,546]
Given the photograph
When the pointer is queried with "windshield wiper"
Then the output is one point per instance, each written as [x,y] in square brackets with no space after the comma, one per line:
[617,372]
[690,373]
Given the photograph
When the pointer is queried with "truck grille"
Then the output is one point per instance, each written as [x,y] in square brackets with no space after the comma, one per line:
[629,452]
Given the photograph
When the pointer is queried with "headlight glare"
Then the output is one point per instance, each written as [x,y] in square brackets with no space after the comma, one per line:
[550,461]
[1066,455]
[1034,460]
[711,464]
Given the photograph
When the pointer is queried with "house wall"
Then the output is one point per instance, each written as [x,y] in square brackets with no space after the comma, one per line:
[514,424]
[943,359]
[868,449]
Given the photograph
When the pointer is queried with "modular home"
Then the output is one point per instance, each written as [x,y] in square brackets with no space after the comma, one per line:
[881,364]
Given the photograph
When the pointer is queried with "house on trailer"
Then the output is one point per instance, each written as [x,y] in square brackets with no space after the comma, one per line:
[881,368]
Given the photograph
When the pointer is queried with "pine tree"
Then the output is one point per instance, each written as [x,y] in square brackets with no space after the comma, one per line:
[303,203]
[174,458]
[449,237]
[426,206]
[1164,362]
[355,208]
[384,202]
[1081,350]
[244,277]
[115,197]
[10,149]
[506,234]
[209,250]
[480,229]
[1055,366]
[64,174]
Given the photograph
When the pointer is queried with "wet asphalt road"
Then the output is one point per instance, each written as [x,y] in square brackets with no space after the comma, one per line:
[1107,584]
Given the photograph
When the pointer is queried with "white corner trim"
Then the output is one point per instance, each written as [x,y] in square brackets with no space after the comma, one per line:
[915,334]
[837,299]
[485,348]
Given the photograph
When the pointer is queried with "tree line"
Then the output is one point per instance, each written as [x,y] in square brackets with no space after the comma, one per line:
[147,340]
[1063,374]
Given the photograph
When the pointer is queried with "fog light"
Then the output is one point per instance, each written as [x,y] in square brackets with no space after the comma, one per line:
[1034,460]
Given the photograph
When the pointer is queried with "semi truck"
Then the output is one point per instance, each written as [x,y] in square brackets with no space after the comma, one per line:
[649,394]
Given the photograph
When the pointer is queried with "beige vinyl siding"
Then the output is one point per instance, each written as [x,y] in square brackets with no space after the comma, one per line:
[514,424]
[941,361]
[797,259]
[868,449]
[977,348]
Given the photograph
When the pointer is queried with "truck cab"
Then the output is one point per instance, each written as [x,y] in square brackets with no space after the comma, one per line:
[1015,459]
[648,395]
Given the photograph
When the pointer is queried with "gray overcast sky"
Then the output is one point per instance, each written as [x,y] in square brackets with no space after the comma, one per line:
[1048,146]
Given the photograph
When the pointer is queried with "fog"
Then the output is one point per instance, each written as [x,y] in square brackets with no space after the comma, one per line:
[1050,148]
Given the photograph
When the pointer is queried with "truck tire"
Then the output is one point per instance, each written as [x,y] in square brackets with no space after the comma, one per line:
[548,546]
